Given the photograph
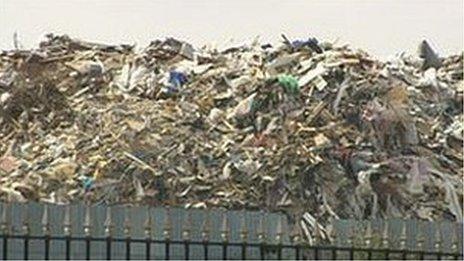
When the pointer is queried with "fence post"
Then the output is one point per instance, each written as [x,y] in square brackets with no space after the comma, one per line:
[261,234]
[317,239]
[350,242]
[67,231]
[368,240]
[279,237]
[167,232]
[438,241]
[26,232]
[148,232]
[205,233]
[243,233]
[87,231]
[403,239]
[108,231]
[454,244]
[296,241]
[5,227]
[127,231]
[224,234]
[46,231]
[333,239]
[420,240]
[385,240]
[186,227]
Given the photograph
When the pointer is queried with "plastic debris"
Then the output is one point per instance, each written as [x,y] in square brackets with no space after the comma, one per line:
[289,83]
[177,78]
[87,182]
[431,59]
[8,164]
[311,43]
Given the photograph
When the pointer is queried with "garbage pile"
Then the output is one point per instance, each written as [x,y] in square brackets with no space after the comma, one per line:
[311,129]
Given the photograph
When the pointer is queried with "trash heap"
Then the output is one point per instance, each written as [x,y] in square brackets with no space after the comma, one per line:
[317,131]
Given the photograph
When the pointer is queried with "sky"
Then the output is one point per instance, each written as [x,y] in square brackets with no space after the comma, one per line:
[381,27]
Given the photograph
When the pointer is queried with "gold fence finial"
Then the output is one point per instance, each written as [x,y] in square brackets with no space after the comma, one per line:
[279,230]
[243,227]
[167,224]
[87,224]
[350,236]
[385,235]
[438,238]
[295,234]
[317,233]
[127,225]
[368,235]
[26,216]
[46,220]
[148,223]
[420,237]
[206,226]
[455,239]
[333,235]
[5,221]
[187,226]
[261,229]
[225,227]
[108,222]
[67,220]
[403,235]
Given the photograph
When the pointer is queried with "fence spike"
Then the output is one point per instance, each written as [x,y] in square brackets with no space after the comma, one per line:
[385,235]
[108,222]
[46,220]
[438,239]
[261,230]
[67,220]
[368,235]
[295,234]
[420,237]
[279,230]
[5,224]
[317,233]
[187,226]
[403,236]
[333,235]
[225,227]
[87,224]
[206,226]
[127,225]
[25,227]
[148,223]
[167,224]
[350,236]
[454,240]
[243,227]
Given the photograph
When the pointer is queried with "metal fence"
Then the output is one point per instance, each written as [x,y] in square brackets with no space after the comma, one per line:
[37,231]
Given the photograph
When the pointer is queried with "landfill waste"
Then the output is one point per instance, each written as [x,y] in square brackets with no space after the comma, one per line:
[317,131]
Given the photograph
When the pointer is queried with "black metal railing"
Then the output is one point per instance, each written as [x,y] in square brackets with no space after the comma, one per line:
[123,237]
[266,251]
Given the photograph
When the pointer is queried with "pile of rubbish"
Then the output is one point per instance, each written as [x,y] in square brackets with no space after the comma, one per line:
[318,131]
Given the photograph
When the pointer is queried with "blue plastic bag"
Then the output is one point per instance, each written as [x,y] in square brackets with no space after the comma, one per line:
[177,79]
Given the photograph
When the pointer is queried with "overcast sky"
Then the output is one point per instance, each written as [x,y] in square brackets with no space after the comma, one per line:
[382,27]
